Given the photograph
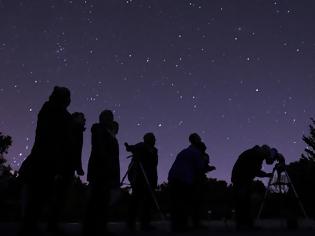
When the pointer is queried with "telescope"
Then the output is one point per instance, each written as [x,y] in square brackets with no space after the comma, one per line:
[280,162]
[280,183]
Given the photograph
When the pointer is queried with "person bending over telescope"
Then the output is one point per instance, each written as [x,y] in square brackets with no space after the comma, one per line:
[247,167]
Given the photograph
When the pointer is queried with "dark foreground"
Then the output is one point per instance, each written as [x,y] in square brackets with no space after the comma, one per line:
[278,227]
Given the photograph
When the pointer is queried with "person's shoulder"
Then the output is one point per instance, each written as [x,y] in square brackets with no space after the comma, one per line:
[254,151]
[95,127]
[181,153]
[140,145]
[186,151]
[194,150]
[46,106]
[250,155]
[250,151]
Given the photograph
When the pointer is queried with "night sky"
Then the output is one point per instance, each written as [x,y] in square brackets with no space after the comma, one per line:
[238,72]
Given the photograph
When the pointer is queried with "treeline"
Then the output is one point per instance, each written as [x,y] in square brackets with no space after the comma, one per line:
[218,197]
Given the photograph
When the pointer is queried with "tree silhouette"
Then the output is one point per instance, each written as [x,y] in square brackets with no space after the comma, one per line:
[302,175]
[302,172]
[5,143]
[310,141]
[8,183]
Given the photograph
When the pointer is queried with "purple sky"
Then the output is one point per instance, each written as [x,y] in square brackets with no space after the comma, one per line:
[239,73]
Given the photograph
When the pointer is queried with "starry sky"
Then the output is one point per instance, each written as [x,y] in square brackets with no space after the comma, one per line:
[238,72]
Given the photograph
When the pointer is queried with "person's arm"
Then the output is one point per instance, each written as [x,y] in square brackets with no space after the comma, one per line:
[260,173]
[78,164]
[257,167]
[263,174]
[200,165]
[156,160]
[136,150]
[133,148]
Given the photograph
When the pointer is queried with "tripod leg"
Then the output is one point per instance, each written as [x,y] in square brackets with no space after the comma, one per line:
[152,193]
[129,167]
[296,195]
[266,195]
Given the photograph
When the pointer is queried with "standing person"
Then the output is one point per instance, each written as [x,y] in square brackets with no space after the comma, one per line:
[143,179]
[247,167]
[200,185]
[70,165]
[103,173]
[185,177]
[40,168]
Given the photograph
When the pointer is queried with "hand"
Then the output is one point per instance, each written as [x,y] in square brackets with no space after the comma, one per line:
[211,168]
[127,146]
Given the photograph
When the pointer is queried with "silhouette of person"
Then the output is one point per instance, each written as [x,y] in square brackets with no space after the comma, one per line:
[103,173]
[185,178]
[143,179]
[198,198]
[71,164]
[40,168]
[247,167]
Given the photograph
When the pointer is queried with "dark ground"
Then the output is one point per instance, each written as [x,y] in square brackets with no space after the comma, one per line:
[267,227]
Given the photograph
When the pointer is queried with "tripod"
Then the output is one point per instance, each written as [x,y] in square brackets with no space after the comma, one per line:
[280,182]
[136,162]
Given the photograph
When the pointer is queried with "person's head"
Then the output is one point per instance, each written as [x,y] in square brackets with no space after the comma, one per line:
[269,154]
[195,139]
[60,96]
[78,118]
[276,156]
[149,139]
[115,127]
[106,118]
[202,147]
